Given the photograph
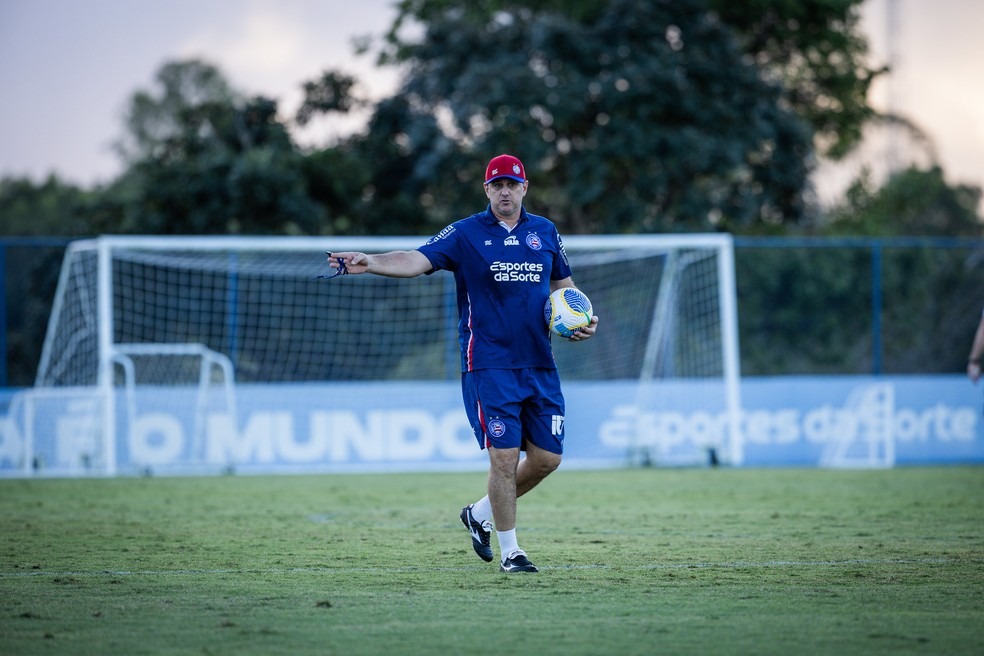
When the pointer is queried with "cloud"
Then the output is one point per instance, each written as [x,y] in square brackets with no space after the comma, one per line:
[262,47]
[272,49]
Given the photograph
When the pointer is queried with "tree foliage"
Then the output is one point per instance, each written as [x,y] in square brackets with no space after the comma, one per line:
[631,115]
[332,92]
[804,310]
[50,207]
[808,310]
[204,160]
[816,48]
[913,201]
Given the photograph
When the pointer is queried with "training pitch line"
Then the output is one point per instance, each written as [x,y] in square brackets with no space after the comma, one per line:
[400,570]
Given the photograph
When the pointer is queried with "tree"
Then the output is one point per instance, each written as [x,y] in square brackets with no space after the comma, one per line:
[913,201]
[192,98]
[332,92]
[51,207]
[366,183]
[817,50]
[202,159]
[31,267]
[805,310]
[631,115]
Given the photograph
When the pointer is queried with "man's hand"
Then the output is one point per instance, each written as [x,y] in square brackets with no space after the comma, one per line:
[354,262]
[587,332]
[394,264]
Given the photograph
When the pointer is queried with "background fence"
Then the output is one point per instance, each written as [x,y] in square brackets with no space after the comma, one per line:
[806,305]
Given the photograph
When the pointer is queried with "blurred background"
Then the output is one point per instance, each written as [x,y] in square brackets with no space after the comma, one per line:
[839,142]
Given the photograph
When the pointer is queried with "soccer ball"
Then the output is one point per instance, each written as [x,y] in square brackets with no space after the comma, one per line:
[566,310]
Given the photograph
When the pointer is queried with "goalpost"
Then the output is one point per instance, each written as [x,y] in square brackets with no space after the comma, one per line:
[153,341]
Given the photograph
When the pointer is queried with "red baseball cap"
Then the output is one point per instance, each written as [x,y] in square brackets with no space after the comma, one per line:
[505,166]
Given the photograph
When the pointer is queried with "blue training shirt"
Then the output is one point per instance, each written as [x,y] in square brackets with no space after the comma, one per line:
[503,280]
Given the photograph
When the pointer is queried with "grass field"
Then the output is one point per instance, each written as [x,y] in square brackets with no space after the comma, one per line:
[640,561]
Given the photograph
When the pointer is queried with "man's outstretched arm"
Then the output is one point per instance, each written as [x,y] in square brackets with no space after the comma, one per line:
[394,264]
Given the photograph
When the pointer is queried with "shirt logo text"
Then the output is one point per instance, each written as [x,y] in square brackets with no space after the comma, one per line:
[517,271]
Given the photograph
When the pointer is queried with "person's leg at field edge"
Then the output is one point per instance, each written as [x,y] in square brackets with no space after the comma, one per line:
[510,478]
[538,429]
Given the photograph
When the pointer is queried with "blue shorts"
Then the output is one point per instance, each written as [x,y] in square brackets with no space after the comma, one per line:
[509,407]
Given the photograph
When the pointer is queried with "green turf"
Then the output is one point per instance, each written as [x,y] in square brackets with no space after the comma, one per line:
[632,562]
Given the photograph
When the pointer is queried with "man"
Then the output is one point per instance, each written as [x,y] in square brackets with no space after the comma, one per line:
[976,353]
[505,263]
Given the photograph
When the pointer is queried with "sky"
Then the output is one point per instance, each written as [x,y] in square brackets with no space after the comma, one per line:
[937,59]
[69,67]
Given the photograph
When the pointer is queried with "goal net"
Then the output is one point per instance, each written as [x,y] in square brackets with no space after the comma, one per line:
[160,348]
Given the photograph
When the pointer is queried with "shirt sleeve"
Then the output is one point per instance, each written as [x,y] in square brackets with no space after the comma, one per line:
[561,265]
[443,248]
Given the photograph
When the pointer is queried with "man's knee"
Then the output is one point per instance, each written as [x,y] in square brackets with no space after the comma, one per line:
[544,462]
[503,461]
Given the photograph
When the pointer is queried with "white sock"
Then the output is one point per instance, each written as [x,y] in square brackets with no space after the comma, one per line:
[507,543]
[482,510]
